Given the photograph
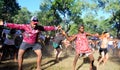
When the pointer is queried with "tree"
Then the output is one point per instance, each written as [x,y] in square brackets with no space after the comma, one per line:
[106,6]
[116,21]
[47,16]
[23,16]
[1,6]
[55,12]
[8,9]
[113,6]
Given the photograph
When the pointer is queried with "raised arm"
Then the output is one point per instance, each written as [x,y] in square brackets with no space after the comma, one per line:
[13,25]
[96,34]
[47,28]
[88,34]
[16,26]
[71,38]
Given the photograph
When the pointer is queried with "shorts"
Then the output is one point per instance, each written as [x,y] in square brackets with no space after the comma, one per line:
[86,54]
[25,46]
[103,50]
[55,45]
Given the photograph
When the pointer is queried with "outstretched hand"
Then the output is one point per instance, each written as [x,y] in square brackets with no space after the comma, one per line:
[63,32]
[59,27]
[1,22]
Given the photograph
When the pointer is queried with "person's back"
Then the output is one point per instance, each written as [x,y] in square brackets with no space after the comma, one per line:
[9,44]
[10,37]
[58,38]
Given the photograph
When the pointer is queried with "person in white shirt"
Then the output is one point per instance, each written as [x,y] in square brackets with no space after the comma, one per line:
[111,44]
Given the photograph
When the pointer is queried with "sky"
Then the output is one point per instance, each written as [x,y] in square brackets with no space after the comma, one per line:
[31,5]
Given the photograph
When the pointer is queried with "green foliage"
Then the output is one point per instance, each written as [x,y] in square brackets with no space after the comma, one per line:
[8,9]
[117,15]
[47,15]
[112,6]
[73,29]
[55,12]
[90,23]
[1,6]
[23,16]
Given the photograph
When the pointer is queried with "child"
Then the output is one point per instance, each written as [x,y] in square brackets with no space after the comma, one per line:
[56,44]
[82,47]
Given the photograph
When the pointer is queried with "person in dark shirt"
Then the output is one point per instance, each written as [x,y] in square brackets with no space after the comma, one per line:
[57,44]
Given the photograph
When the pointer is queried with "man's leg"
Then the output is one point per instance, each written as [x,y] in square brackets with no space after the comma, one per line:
[106,58]
[39,58]
[91,61]
[15,52]
[75,61]
[101,59]
[1,55]
[20,58]
[15,57]
[58,54]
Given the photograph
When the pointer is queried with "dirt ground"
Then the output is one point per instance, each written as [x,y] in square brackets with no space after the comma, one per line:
[65,63]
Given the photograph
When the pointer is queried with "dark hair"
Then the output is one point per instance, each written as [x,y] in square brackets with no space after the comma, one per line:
[105,32]
[81,25]
[12,31]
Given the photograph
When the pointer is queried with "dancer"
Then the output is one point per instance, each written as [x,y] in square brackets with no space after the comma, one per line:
[82,47]
[30,34]
[56,44]
[103,48]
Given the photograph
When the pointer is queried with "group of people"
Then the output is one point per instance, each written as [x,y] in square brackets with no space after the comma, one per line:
[30,34]
[10,43]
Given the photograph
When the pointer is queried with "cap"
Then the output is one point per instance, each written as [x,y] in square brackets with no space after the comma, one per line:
[34,18]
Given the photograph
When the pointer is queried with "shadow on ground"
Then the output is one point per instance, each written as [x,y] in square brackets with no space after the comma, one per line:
[85,60]
[115,59]
[52,62]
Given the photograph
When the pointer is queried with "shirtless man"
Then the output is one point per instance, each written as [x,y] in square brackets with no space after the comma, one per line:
[103,48]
